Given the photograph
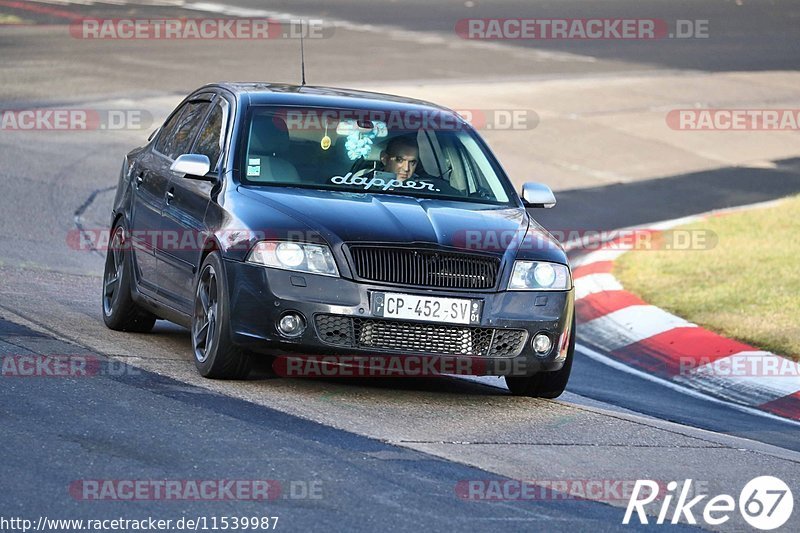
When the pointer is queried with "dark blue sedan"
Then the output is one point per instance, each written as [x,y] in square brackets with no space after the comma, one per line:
[293,221]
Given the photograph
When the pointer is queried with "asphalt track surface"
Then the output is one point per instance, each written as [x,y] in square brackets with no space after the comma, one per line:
[742,35]
[140,422]
[169,425]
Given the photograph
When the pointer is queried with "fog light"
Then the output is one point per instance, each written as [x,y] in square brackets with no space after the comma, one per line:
[291,325]
[541,344]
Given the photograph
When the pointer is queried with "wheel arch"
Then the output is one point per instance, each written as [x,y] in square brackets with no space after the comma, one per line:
[210,246]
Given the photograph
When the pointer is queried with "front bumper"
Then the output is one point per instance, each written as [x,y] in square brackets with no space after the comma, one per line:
[339,321]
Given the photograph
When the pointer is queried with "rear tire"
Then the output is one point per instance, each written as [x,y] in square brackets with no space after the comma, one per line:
[215,354]
[120,312]
[545,384]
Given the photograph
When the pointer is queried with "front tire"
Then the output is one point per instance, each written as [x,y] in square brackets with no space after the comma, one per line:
[120,312]
[545,384]
[215,354]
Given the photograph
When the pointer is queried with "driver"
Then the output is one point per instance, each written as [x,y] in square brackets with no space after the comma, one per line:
[401,157]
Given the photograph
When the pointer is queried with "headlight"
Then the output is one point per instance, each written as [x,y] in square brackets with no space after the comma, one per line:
[539,276]
[312,258]
[290,254]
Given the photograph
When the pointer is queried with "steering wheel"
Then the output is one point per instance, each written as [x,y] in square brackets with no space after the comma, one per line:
[482,193]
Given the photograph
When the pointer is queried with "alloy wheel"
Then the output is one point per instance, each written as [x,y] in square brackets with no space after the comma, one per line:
[114,271]
[205,314]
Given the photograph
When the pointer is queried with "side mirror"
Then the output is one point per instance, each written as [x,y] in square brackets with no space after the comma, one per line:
[191,165]
[537,195]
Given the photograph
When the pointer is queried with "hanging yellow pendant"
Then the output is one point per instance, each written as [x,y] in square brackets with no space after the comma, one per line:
[325,143]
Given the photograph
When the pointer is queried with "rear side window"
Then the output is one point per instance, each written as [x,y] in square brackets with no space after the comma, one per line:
[209,142]
[181,129]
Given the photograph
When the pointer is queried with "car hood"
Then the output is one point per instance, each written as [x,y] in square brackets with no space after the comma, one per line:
[346,217]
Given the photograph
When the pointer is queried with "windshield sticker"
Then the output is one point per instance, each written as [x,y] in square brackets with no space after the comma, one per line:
[384,184]
[253,170]
[255,161]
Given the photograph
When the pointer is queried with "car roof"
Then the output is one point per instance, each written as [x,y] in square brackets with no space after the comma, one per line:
[264,93]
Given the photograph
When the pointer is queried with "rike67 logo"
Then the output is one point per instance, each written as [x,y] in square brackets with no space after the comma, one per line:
[765,503]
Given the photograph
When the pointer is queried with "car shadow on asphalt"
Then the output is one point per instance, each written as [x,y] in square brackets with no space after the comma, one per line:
[622,205]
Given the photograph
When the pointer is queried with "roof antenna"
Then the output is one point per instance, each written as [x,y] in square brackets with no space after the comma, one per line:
[302,54]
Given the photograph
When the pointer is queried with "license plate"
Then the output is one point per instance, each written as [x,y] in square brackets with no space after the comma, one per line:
[426,308]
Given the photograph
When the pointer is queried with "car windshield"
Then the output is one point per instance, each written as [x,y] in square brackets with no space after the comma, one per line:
[429,153]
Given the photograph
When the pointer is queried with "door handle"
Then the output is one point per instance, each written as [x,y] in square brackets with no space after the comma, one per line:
[170,195]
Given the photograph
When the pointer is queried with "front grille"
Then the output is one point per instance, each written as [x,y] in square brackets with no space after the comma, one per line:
[439,339]
[425,268]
